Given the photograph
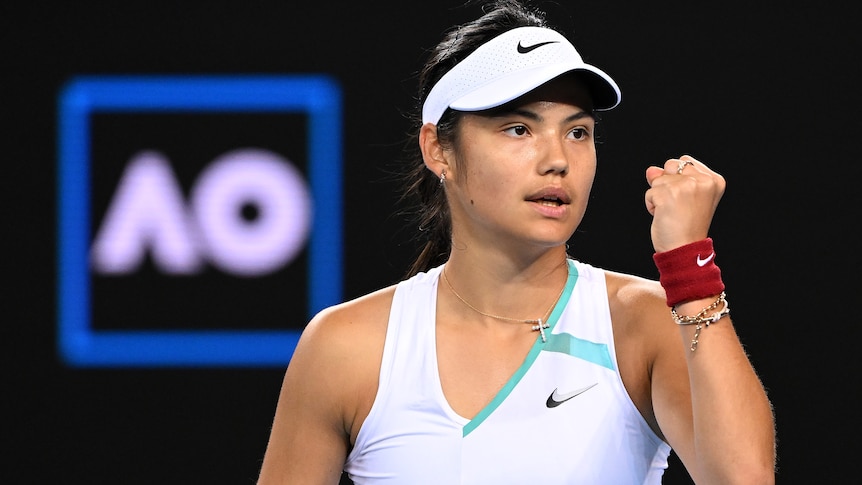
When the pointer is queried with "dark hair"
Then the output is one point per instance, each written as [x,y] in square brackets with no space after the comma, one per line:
[426,201]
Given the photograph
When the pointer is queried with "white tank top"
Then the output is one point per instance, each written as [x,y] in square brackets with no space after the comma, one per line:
[564,417]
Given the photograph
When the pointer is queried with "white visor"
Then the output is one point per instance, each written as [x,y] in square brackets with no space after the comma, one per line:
[510,65]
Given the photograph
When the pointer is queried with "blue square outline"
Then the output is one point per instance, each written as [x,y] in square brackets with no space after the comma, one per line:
[318,96]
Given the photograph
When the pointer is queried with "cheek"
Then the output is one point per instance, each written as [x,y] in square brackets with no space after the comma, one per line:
[590,177]
[584,171]
[491,186]
[585,179]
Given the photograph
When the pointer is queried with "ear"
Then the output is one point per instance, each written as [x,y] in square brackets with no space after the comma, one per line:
[432,153]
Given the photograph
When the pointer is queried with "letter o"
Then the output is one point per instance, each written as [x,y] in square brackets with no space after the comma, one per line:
[275,187]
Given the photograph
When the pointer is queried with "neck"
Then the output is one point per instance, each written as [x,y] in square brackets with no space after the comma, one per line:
[500,286]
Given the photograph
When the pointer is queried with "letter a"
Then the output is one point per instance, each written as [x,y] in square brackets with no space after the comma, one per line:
[147,212]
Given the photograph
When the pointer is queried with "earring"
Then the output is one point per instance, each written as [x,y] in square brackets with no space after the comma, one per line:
[442,177]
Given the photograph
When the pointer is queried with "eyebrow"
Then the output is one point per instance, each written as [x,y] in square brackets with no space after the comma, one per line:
[537,117]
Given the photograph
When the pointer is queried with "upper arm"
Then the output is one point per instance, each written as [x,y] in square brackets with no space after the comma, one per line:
[331,379]
[652,359]
[710,407]
[669,380]
[307,442]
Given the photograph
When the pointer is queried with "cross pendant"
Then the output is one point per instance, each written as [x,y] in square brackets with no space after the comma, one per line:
[540,326]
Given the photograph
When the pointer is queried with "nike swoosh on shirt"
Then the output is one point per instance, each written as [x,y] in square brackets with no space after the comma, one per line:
[555,399]
[524,50]
[702,262]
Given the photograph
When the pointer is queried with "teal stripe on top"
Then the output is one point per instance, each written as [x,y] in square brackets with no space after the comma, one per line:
[583,349]
[531,357]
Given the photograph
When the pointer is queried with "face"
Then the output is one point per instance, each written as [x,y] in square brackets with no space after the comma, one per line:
[522,173]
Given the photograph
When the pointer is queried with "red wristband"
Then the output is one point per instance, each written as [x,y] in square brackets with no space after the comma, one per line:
[689,272]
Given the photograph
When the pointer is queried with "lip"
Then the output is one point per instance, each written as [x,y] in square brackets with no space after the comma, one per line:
[550,192]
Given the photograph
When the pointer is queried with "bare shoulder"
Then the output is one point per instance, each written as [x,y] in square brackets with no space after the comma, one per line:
[365,310]
[352,331]
[329,385]
[339,355]
[633,298]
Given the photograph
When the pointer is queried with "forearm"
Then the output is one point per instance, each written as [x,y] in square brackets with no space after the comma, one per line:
[733,425]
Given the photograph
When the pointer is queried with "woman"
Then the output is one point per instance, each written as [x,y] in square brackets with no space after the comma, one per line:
[501,359]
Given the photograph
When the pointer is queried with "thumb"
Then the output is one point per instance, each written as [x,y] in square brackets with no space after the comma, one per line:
[653,173]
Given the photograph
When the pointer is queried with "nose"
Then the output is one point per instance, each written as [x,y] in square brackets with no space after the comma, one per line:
[554,159]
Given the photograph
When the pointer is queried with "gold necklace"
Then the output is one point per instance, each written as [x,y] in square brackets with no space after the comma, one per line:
[538,324]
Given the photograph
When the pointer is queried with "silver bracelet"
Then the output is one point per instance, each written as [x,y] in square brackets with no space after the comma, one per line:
[703,318]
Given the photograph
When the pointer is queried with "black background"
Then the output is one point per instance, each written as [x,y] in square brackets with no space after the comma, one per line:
[766,95]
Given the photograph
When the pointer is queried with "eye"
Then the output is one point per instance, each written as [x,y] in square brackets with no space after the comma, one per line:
[517,130]
[580,133]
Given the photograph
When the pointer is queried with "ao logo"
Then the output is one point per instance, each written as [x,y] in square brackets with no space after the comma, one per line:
[247,213]
[148,214]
